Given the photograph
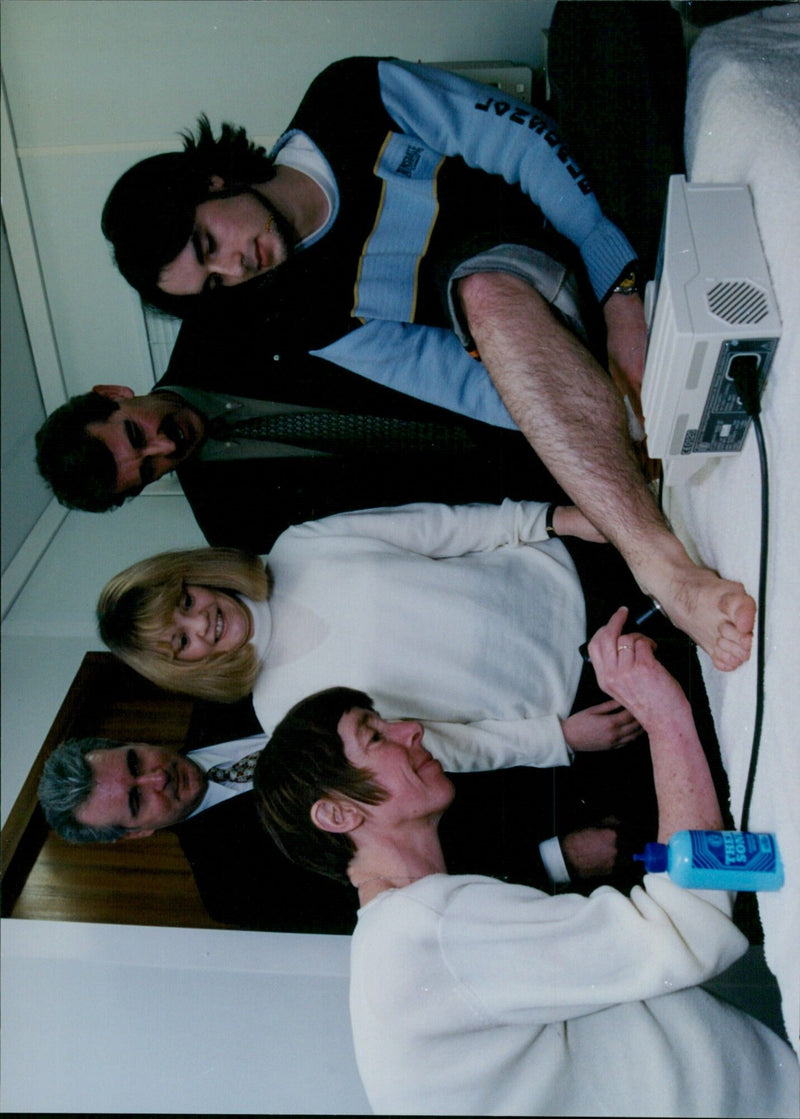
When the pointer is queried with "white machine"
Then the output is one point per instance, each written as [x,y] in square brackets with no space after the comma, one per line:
[711,306]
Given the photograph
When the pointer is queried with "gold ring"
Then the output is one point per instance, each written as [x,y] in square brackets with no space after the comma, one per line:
[621,647]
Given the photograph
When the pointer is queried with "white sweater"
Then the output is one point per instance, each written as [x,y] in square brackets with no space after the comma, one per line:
[470,996]
[467,618]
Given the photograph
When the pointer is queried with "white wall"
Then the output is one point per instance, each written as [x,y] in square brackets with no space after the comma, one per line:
[111,1018]
[102,1018]
[21,414]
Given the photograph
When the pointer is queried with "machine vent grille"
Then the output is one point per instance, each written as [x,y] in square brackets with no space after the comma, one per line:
[738,302]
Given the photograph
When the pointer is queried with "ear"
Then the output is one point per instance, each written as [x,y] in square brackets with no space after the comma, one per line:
[335,815]
[136,833]
[114,392]
[215,183]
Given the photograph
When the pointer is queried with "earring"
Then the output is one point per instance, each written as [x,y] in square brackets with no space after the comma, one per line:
[268,225]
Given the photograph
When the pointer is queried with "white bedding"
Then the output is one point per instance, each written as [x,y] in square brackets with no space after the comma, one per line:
[743,126]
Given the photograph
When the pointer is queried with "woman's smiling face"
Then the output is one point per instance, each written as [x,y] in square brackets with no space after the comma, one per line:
[207,621]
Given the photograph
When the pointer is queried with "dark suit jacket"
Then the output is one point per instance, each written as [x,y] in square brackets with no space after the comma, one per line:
[244,880]
[249,503]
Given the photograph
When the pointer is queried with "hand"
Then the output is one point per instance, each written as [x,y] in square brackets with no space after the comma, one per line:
[590,852]
[626,343]
[602,727]
[569,521]
[626,668]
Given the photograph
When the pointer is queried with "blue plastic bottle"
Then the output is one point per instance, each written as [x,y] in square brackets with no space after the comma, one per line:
[718,860]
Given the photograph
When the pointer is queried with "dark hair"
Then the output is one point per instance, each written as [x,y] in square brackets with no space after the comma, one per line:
[79,469]
[67,782]
[149,214]
[303,761]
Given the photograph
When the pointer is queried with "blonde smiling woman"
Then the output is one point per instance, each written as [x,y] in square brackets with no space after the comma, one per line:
[469,618]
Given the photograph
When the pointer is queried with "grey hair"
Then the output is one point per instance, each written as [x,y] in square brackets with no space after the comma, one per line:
[67,782]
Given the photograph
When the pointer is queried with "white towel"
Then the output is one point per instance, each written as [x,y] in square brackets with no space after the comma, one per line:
[743,126]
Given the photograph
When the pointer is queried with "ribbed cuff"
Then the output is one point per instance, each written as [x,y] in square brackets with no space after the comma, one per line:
[553,861]
[607,254]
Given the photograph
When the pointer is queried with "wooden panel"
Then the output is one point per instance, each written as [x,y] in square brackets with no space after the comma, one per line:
[141,882]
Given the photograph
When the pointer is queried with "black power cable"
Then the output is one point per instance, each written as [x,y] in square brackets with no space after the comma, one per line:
[745,373]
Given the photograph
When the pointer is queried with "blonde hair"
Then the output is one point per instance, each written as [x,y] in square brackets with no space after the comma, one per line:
[137,605]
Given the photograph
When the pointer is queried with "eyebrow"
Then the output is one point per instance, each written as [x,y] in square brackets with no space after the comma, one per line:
[134,796]
[200,256]
[198,248]
[133,433]
[131,491]
[362,722]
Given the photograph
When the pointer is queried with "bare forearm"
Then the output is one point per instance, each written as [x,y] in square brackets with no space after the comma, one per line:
[568,520]
[684,788]
[627,669]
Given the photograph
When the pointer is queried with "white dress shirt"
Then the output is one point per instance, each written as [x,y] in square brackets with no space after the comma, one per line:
[225,753]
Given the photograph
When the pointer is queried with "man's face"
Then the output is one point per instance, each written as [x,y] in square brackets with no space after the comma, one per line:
[393,754]
[234,239]
[147,435]
[141,788]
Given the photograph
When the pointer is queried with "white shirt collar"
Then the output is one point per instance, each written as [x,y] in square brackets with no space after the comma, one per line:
[224,753]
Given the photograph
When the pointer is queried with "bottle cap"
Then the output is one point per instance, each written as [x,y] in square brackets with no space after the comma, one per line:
[654,857]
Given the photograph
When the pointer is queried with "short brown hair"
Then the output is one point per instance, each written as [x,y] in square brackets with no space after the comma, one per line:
[304,761]
[136,605]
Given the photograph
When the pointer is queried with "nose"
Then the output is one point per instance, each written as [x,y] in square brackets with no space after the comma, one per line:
[159,444]
[155,779]
[197,620]
[194,621]
[408,732]
[228,263]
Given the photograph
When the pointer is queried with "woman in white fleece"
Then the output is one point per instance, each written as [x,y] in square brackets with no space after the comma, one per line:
[469,618]
[470,996]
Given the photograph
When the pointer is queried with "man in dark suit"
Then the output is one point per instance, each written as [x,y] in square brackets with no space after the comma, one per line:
[248,491]
[105,446]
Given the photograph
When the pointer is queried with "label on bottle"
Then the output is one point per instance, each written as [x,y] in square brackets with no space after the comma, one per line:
[733,850]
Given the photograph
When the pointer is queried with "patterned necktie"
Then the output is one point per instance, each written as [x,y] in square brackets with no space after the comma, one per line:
[341,432]
[236,774]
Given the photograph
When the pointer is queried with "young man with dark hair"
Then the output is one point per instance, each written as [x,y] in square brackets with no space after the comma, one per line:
[413,219]
[471,996]
[150,215]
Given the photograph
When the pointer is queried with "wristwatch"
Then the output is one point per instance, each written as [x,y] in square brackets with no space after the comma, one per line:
[628,284]
[548,521]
